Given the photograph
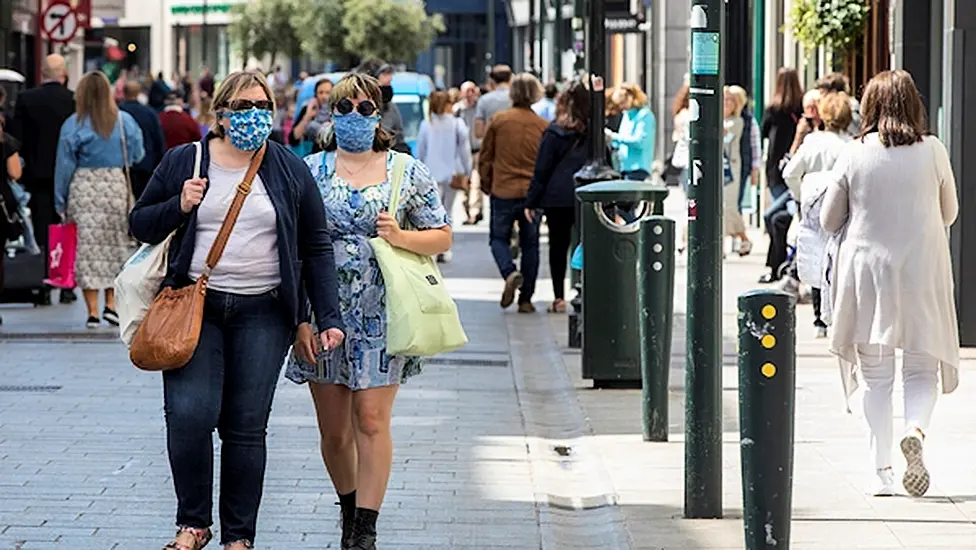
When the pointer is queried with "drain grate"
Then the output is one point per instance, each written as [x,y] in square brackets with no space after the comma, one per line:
[466,362]
[29,389]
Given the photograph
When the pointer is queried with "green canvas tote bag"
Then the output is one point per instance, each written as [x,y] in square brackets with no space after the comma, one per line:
[421,318]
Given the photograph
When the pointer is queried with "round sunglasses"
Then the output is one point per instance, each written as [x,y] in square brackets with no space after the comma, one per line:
[346,106]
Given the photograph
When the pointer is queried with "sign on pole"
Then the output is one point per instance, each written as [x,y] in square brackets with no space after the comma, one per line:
[60,22]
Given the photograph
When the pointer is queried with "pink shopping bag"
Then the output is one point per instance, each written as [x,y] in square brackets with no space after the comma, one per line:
[62,248]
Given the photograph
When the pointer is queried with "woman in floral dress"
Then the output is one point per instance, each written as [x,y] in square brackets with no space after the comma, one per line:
[354,386]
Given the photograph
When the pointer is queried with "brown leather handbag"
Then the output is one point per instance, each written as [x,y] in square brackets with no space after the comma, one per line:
[168,336]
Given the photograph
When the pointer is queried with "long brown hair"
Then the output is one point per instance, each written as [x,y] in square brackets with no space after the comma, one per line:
[440,103]
[789,93]
[573,107]
[893,108]
[94,101]
[682,100]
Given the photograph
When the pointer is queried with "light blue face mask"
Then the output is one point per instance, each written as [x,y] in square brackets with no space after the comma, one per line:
[354,132]
[249,129]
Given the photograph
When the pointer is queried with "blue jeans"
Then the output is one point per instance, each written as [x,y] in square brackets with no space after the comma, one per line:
[228,385]
[504,214]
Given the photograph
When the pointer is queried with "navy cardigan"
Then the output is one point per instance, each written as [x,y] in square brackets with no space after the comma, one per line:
[304,247]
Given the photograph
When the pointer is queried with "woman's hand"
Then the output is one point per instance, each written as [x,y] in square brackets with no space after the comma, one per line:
[311,109]
[332,338]
[192,194]
[306,345]
[388,228]
[530,215]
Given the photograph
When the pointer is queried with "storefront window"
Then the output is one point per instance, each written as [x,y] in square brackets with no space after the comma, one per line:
[196,49]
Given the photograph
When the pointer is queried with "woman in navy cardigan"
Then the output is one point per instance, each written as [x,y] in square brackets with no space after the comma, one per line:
[254,303]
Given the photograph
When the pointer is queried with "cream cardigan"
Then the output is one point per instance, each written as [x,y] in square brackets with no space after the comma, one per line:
[891,274]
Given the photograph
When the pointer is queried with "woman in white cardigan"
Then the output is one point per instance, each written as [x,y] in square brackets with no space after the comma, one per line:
[890,200]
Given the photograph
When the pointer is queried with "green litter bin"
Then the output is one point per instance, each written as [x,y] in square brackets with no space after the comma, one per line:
[615,230]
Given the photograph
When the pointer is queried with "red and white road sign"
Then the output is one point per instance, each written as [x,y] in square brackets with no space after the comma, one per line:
[60,22]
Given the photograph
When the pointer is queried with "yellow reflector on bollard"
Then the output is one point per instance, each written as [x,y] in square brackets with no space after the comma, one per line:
[769,311]
[768,341]
[769,370]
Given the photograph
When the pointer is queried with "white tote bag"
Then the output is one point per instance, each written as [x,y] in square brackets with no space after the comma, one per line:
[142,275]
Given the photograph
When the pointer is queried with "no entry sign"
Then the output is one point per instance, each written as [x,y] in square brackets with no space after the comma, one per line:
[60,22]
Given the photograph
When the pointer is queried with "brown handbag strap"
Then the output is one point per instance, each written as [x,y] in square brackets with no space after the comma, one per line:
[243,190]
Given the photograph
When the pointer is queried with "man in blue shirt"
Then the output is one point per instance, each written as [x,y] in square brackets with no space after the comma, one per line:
[152,137]
[546,107]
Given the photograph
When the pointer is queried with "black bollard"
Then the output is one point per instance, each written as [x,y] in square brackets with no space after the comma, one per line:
[655,295]
[767,395]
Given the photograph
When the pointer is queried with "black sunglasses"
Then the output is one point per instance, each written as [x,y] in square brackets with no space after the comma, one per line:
[346,106]
[247,104]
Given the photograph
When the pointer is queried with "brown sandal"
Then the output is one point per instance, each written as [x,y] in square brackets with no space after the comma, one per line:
[190,538]
[559,306]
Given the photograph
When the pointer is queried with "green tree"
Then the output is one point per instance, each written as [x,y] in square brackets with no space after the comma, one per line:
[395,31]
[318,26]
[264,27]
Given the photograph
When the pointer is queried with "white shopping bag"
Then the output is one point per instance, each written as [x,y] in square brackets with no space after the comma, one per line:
[142,275]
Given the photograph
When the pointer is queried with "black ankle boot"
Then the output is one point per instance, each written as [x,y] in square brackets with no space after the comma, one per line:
[364,535]
[348,519]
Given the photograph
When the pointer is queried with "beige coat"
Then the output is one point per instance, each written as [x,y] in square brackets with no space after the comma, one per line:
[891,280]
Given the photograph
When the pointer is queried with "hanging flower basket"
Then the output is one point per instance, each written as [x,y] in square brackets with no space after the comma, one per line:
[835,23]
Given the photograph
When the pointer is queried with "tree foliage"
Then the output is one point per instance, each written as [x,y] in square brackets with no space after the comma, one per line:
[835,23]
[337,30]
[318,26]
[264,27]
[394,31]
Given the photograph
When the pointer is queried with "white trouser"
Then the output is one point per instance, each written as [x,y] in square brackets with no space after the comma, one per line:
[920,383]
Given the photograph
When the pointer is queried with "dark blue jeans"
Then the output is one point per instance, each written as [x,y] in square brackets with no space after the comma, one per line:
[228,386]
[504,214]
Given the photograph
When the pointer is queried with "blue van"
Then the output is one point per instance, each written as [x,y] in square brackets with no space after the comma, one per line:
[410,94]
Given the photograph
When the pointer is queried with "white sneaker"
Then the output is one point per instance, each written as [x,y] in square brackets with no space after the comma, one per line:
[916,479]
[884,484]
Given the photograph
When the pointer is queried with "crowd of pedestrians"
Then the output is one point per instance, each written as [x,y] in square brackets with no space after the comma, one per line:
[299,284]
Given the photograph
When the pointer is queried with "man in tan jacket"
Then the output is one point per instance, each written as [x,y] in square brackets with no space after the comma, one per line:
[506,164]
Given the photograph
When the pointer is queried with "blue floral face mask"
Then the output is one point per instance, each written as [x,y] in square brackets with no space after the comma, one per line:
[354,132]
[249,129]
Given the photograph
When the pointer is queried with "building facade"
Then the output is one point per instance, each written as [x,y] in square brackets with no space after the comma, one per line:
[469,43]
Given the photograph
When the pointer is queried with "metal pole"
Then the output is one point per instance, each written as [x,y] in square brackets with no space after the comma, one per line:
[490,52]
[655,306]
[703,382]
[38,43]
[596,168]
[203,36]
[557,42]
[530,62]
[543,16]
[759,81]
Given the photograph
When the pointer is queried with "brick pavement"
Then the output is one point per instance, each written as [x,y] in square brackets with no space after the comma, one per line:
[500,445]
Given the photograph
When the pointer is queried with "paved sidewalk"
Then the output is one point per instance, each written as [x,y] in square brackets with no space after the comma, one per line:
[83,464]
[831,509]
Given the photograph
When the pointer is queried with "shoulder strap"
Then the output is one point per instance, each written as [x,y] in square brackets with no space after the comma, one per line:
[243,190]
[196,159]
[398,172]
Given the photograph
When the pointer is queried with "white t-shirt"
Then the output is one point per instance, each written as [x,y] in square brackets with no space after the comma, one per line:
[249,264]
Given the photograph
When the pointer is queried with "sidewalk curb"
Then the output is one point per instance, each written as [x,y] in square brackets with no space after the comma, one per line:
[575,499]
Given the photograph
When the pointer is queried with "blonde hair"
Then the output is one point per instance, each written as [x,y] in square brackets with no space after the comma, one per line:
[231,87]
[638,98]
[741,97]
[835,111]
[812,96]
[94,101]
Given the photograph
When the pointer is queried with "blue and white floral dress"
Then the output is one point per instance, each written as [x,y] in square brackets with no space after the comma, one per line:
[361,362]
